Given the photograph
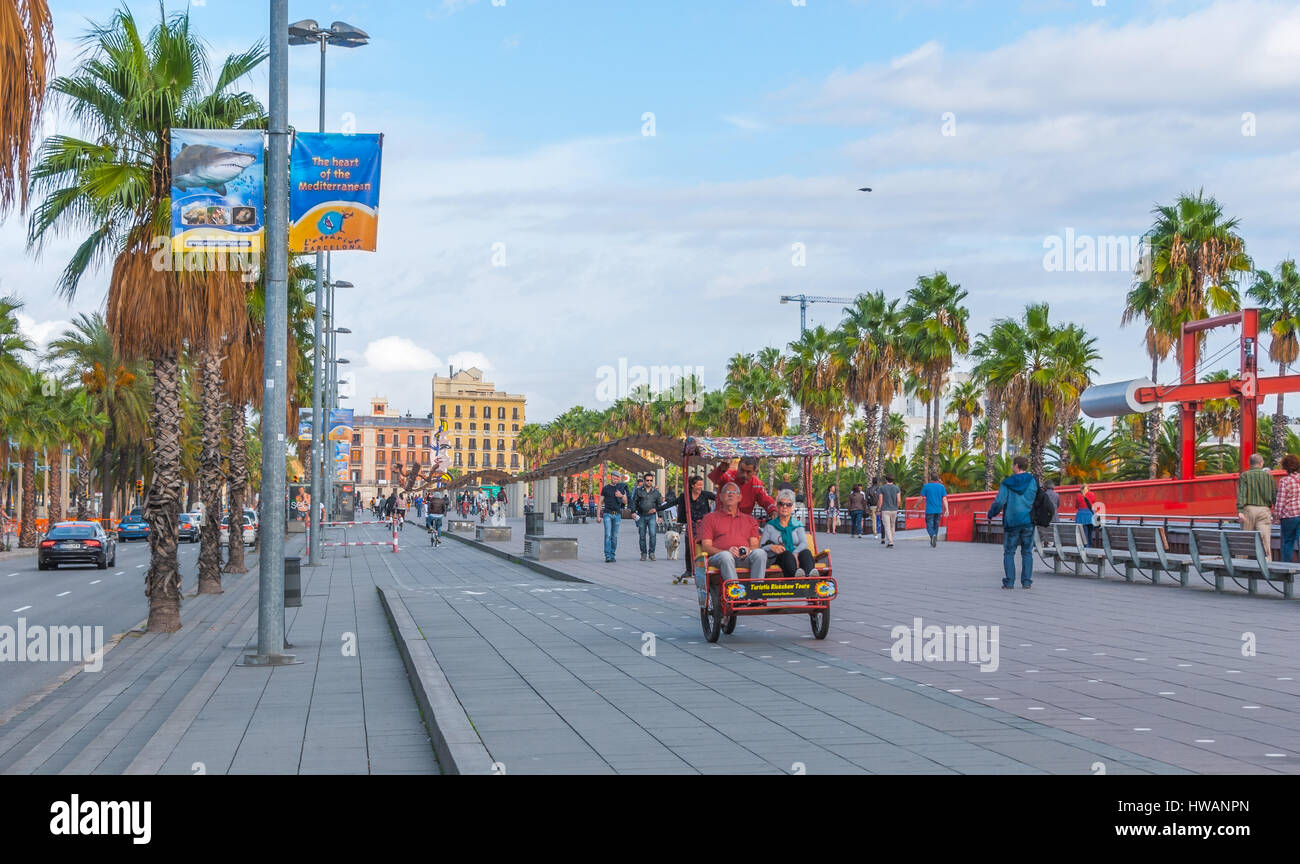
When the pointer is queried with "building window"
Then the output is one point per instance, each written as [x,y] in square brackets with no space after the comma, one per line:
[397,457]
[487,445]
[514,460]
[471,412]
[457,427]
[356,476]
[426,440]
[457,447]
[356,457]
[515,414]
[356,440]
[457,410]
[501,427]
[410,440]
[410,457]
[424,458]
[473,427]
[442,410]
[473,444]
[380,441]
[501,443]
[380,458]
[379,475]
[514,427]
[457,463]
[471,460]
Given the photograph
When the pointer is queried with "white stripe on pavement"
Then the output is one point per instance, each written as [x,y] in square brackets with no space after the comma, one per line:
[120,572]
[138,566]
[13,574]
[22,609]
[64,594]
[97,581]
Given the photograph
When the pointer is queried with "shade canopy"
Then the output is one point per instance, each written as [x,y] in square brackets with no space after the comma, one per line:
[772,447]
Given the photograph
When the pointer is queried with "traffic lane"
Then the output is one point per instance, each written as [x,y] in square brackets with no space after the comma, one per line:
[83,597]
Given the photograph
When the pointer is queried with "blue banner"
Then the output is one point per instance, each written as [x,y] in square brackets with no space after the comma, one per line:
[334,192]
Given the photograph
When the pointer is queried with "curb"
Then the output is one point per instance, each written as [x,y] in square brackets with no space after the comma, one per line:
[558,575]
[456,743]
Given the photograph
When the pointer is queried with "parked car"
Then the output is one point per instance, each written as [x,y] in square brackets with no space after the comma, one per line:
[133,527]
[76,543]
[188,527]
[249,532]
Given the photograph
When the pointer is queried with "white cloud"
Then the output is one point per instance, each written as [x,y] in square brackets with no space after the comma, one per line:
[399,354]
[41,333]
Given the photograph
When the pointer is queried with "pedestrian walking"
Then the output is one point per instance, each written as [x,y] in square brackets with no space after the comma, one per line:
[1084,504]
[890,495]
[1286,509]
[614,496]
[1255,498]
[832,508]
[857,510]
[645,509]
[936,506]
[1015,502]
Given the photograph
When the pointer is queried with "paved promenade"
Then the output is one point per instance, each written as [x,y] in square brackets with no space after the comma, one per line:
[1137,677]
[179,704]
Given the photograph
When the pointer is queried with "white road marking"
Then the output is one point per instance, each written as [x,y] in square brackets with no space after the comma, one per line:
[1250,707]
[97,581]
[1184,665]
[1087,718]
[1204,740]
[954,691]
[990,698]
[1165,693]
[138,566]
[1141,728]
[1036,708]
[119,573]
[1276,755]
[13,574]
[22,609]
[64,594]
[1233,672]
[887,679]
[1284,679]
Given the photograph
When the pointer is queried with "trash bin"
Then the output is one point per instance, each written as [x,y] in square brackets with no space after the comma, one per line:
[292,581]
[534,524]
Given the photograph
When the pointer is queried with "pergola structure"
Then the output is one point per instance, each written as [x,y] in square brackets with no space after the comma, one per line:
[619,451]
[491,477]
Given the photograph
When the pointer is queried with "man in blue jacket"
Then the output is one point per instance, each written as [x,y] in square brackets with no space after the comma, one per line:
[1015,502]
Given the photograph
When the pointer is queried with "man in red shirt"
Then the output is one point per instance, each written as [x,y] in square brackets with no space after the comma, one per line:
[730,537]
[745,476]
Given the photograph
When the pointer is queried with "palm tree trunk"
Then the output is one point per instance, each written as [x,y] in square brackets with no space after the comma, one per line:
[925,457]
[54,497]
[106,476]
[27,531]
[83,481]
[1277,439]
[210,479]
[993,424]
[884,434]
[872,437]
[1153,430]
[162,501]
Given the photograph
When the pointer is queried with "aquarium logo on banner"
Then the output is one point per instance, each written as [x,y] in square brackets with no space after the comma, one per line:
[334,192]
[217,190]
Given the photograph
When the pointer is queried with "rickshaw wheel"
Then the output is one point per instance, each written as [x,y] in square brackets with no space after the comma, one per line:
[729,626]
[711,616]
[821,622]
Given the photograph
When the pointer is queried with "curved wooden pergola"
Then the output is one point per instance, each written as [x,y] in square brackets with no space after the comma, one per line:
[492,477]
[620,451]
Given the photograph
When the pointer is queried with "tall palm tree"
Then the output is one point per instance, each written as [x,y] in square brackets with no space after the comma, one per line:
[964,401]
[1280,301]
[13,345]
[33,436]
[869,339]
[1146,301]
[935,332]
[26,65]
[128,93]
[1040,369]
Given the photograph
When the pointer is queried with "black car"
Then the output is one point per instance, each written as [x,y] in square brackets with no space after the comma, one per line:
[77,543]
[188,528]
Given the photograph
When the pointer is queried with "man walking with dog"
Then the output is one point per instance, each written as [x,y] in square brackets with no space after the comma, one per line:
[645,506]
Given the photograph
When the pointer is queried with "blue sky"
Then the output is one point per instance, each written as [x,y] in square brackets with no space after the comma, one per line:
[985,128]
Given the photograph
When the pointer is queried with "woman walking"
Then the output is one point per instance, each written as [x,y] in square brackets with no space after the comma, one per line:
[832,509]
[1286,509]
[1084,505]
[785,541]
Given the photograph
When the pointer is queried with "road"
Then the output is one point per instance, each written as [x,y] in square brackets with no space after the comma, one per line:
[76,596]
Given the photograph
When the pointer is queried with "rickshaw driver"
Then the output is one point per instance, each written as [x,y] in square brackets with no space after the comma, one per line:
[729,536]
[745,476]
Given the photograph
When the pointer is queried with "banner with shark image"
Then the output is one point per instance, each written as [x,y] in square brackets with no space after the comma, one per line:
[217,189]
[334,192]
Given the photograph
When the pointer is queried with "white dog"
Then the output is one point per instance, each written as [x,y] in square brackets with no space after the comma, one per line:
[673,541]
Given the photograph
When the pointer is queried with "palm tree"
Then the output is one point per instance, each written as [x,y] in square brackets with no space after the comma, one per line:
[1040,370]
[934,330]
[869,340]
[1084,455]
[895,436]
[12,375]
[1146,301]
[26,65]
[1280,299]
[964,401]
[1196,258]
[33,436]
[128,93]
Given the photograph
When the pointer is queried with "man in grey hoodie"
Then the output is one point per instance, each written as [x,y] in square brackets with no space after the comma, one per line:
[1015,502]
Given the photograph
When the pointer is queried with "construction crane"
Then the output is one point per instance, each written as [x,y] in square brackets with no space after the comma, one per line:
[804,300]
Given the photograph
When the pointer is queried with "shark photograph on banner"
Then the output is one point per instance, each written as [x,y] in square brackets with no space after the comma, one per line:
[334,192]
[217,190]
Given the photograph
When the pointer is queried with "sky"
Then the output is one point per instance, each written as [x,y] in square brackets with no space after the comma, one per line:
[569,186]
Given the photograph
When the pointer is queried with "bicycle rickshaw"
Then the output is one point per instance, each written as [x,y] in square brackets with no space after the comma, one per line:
[722,602]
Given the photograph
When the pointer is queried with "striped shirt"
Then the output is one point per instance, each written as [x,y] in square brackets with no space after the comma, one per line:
[1288,497]
[1255,489]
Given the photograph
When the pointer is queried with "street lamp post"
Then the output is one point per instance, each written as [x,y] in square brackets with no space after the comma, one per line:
[343,35]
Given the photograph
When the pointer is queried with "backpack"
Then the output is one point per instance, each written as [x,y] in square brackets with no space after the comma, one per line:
[1041,512]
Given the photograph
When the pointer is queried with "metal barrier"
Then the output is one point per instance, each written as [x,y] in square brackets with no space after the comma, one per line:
[391,523]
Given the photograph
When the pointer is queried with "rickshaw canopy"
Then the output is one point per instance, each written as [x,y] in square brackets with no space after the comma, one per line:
[767,447]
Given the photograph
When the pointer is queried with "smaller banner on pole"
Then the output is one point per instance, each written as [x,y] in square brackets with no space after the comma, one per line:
[341,424]
[342,458]
[334,192]
[304,425]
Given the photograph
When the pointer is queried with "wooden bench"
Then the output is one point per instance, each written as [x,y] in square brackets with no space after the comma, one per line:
[1239,554]
[1143,547]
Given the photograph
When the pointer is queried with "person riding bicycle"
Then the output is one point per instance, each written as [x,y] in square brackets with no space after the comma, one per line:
[433,521]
